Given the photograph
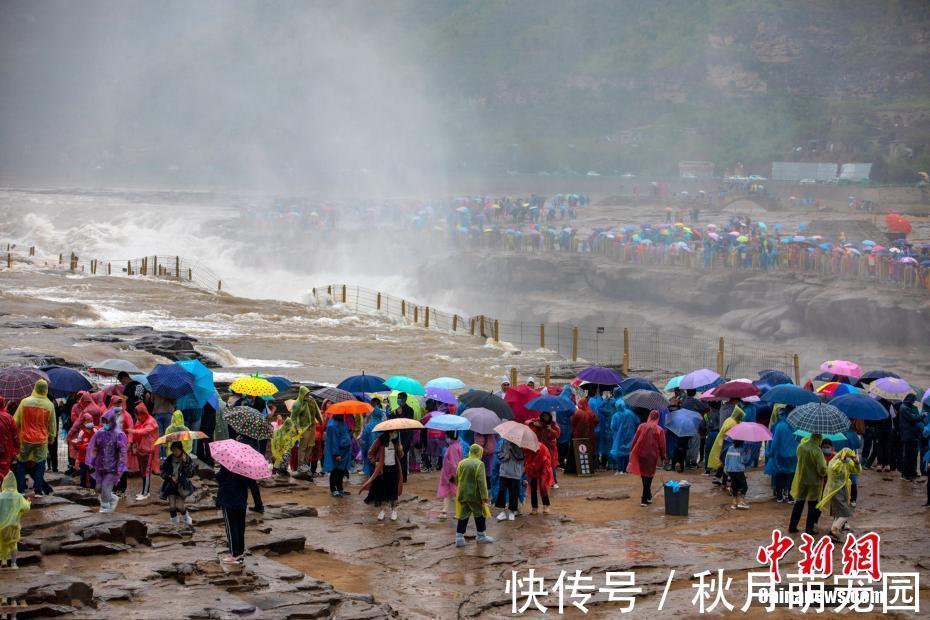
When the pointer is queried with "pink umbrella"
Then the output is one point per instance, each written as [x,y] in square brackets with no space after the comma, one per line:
[709,395]
[240,458]
[843,368]
[713,236]
[518,433]
[749,431]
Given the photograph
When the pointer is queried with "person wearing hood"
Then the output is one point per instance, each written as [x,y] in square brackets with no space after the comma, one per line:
[836,493]
[722,444]
[37,428]
[538,467]
[564,420]
[548,432]
[124,422]
[910,425]
[232,495]
[647,452]
[9,440]
[385,484]
[85,404]
[369,435]
[805,488]
[337,454]
[177,425]
[446,488]
[306,415]
[12,507]
[623,426]
[605,413]
[142,438]
[712,422]
[471,499]
[781,457]
[510,474]
[584,421]
[284,438]
[83,431]
[177,470]
[107,454]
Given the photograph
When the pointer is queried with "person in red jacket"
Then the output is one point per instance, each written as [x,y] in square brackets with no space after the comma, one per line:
[142,438]
[547,431]
[9,439]
[647,451]
[84,430]
[584,421]
[538,469]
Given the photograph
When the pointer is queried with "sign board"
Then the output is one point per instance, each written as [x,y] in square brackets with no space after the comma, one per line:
[584,456]
[600,330]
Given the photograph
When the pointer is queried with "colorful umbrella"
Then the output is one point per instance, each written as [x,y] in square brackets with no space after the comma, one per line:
[17,382]
[789,395]
[830,436]
[397,424]
[64,381]
[350,407]
[673,383]
[362,383]
[698,379]
[860,407]
[482,420]
[926,397]
[517,397]
[447,422]
[647,399]
[818,418]
[550,403]
[405,384]
[441,395]
[249,422]
[736,389]
[842,367]
[253,386]
[170,438]
[600,375]
[203,385]
[750,431]
[890,388]
[333,395]
[519,434]
[114,366]
[240,458]
[446,383]
[486,400]
[684,422]
[835,388]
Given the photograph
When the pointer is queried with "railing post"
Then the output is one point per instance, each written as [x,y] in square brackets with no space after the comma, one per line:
[497,331]
[403,308]
[177,267]
[720,351]
[455,322]
[379,301]
[542,335]
[190,274]
[61,258]
[574,344]
[426,317]
[797,370]
[219,286]
[109,269]
[547,376]
[483,334]
[513,376]
[416,314]
[129,268]
[626,350]
[155,265]
[343,293]
[471,323]
[9,260]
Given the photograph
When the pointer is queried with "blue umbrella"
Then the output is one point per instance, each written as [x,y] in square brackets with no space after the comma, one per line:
[171,381]
[860,407]
[872,375]
[64,381]
[631,384]
[282,383]
[358,384]
[684,422]
[405,384]
[600,376]
[789,395]
[446,383]
[775,377]
[447,422]
[550,403]
[203,385]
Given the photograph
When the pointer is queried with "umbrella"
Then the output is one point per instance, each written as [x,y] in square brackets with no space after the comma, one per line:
[143,379]
[170,438]
[647,399]
[600,376]
[860,407]
[114,366]
[736,389]
[818,418]
[482,420]
[253,386]
[517,397]
[64,381]
[842,367]
[834,388]
[519,434]
[397,424]
[789,395]
[248,421]
[891,388]
[405,384]
[486,400]
[872,375]
[926,397]
[775,377]
[363,383]
[830,436]
[16,382]
[441,395]
[631,384]
[412,402]
[550,403]
[350,407]
[673,383]
[698,378]
[447,422]
[750,431]
[684,422]
[333,395]
[203,385]
[240,458]
[446,383]
[171,381]
[282,383]
[695,404]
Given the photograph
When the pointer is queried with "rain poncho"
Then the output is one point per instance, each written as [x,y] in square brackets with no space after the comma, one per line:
[107,452]
[713,459]
[648,447]
[306,413]
[450,462]
[538,466]
[86,404]
[176,426]
[605,414]
[35,421]
[623,426]
[839,472]
[584,421]
[338,443]
[564,418]
[812,467]
[9,439]
[546,433]
[472,486]
[12,506]
[368,437]
[283,440]
[781,455]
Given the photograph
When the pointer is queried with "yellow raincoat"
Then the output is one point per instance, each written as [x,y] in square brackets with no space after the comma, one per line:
[283,440]
[812,467]
[839,470]
[12,506]
[713,460]
[472,491]
[306,413]
[176,426]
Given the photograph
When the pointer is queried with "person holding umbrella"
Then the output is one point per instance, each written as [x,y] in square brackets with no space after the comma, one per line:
[623,425]
[368,436]
[446,488]
[812,467]
[471,499]
[306,415]
[385,484]
[142,438]
[836,493]
[547,431]
[647,451]
[781,456]
[510,474]
[232,498]
[403,410]
[538,465]
[337,454]
[910,423]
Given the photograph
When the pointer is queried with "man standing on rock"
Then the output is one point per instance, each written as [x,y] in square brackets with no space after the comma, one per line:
[37,426]
[132,390]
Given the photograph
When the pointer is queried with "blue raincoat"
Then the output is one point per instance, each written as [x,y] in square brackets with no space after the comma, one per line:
[338,443]
[368,437]
[603,433]
[781,455]
[624,425]
[564,419]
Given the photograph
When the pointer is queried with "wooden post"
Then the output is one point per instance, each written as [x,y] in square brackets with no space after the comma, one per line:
[626,350]
[542,335]
[547,376]
[343,293]
[416,314]
[379,301]
[129,268]
[61,258]
[219,286]
[154,265]
[177,267]
[797,370]
[109,269]
[497,331]
[483,334]
[455,322]
[720,350]
[513,376]
[9,260]
[471,323]
[574,344]
[426,317]
[190,274]
[403,308]
[32,250]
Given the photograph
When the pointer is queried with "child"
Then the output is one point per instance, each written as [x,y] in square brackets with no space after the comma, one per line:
[827,446]
[446,488]
[12,506]
[471,498]
[142,438]
[232,498]
[177,470]
[736,471]
[539,476]
[82,435]
[836,493]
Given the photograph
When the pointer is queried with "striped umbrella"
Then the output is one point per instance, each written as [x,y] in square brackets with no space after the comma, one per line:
[16,382]
[819,418]
[647,399]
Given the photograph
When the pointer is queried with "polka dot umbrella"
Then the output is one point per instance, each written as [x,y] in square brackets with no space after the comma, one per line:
[240,458]
[248,421]
[253,386]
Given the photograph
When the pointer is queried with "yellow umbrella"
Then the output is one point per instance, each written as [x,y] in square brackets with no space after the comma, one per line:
[253,386]
[411,401]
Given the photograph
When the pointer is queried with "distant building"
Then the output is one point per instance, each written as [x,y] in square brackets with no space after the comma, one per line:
[855,172]
[804,171]
[696,169]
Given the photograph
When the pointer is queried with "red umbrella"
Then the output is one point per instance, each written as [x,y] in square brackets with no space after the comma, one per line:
[897,224]
[736,389]
[517,397]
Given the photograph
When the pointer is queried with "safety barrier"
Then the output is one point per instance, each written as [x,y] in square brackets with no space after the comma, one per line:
[631,349]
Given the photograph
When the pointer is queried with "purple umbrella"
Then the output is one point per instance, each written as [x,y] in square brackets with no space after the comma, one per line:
[698,378]
[441,395]
[16,382]
[926,398]
[600,376]
[890,388]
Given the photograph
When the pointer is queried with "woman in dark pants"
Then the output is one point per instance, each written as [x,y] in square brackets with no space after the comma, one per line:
[647,452]
[807,485]
[232,499]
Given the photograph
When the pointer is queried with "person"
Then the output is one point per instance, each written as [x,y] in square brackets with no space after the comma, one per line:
[337,454]
[12,507]
[781,457]
[163,412]
[124,422]
[564,420]
[584,421]
[133,391]
[232,498]
[538,466]
[107,454]
[306,415]
[805,488]
[910,424]
[505,385]
[385,484]
[712,431]
[836,493]
[734,468]
[282,441]
[403,410]
[142,444]
[446,488]
[471,499]
[37,428]
[510,475]
[605,412]
[623,425]
[9,440]
[177,470]
[369,435]
[722,445]
[547,432]
[647,451]
[83,431]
